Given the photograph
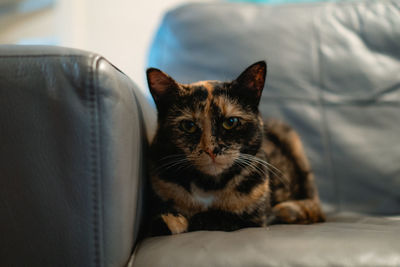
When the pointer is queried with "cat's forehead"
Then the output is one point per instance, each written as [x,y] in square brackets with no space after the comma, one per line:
[209,88]
[208,97]
[204,94]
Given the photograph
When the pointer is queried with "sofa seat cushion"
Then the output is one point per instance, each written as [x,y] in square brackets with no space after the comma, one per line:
[344,240]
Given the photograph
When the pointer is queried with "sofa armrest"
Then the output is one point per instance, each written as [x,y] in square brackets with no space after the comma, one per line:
[71,167]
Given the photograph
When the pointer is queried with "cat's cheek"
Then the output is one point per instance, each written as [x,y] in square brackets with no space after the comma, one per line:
[188,147]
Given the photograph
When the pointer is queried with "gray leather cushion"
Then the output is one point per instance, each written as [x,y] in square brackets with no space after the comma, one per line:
[71,147]
[345,240]
[333,74]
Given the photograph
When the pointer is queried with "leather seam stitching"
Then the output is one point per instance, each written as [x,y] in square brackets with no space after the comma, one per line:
[94,163]
[326,135]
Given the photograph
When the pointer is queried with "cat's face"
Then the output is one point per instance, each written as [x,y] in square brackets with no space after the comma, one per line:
[212,123]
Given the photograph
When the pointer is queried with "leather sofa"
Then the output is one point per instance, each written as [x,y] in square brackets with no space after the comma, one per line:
[74,131]
[71,159]
[334,75]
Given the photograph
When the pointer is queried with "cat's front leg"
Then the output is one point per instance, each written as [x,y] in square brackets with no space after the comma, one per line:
[169,223]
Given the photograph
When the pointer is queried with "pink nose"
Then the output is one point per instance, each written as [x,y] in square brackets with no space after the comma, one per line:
[211,154]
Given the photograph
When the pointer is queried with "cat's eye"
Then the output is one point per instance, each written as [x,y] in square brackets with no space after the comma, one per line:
[230,123]
[188,126]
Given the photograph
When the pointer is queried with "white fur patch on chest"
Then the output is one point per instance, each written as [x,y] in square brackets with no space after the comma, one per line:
[204,198]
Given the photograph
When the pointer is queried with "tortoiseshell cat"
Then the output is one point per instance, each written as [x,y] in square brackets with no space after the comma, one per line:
[215,165]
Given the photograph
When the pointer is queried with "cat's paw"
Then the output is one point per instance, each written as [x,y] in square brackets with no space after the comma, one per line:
[288,212]
[176,223]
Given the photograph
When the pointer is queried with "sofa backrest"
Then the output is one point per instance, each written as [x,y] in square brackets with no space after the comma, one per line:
[333,74]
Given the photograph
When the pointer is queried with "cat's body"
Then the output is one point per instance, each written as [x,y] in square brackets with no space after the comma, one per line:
[216,165]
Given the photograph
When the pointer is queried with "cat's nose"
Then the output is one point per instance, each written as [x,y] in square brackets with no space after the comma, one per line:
[210,153]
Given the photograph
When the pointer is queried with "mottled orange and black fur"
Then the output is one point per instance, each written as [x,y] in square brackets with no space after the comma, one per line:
[216,165]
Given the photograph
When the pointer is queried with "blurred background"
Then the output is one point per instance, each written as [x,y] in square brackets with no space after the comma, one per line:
[120,30]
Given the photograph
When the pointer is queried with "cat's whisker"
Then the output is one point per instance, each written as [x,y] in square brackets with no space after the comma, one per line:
[171,164]
[251,157]
[263,162]
[269,168]
[165,161]
[278,173]
[183,167]
[175,164]
[251,161]
[250,164]
[172,156]
[243,164]
[247,163]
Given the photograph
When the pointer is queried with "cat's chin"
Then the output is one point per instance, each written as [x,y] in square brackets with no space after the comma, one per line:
[213,168]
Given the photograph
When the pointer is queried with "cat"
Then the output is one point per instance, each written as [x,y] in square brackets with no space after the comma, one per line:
[216,165]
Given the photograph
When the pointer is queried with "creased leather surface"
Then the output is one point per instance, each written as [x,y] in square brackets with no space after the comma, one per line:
[333,74]
[345,240]
[70,159]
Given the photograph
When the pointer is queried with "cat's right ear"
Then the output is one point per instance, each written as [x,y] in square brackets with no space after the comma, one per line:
[161,85]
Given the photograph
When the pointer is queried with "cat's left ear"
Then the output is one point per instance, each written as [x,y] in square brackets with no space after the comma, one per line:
[250,82]
[161,85]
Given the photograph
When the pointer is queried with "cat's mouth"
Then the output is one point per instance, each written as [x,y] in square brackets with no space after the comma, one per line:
[213,165]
